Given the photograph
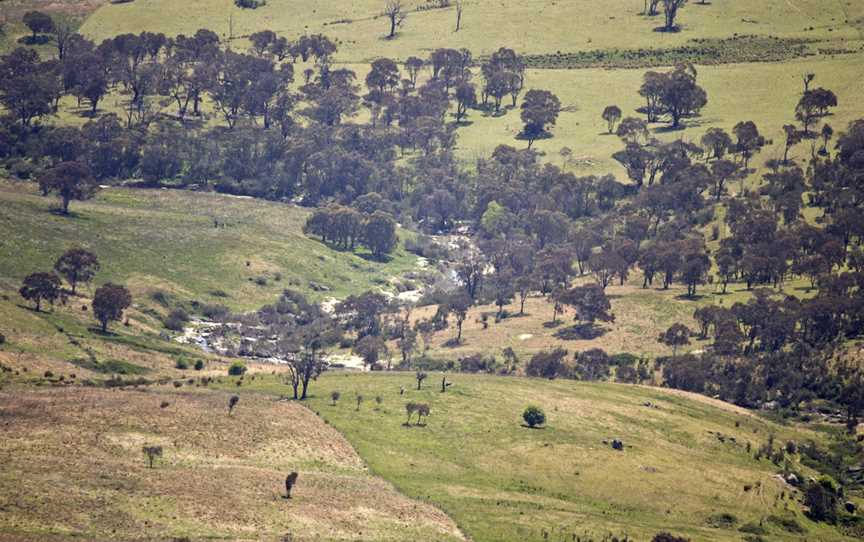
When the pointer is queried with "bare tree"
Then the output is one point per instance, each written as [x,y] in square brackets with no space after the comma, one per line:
[459,7]
[396,13]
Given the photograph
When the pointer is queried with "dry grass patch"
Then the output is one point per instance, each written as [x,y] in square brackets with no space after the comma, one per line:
[74,467]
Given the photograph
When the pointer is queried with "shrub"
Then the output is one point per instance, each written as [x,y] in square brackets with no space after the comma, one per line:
[789,525]
[722,521]
[2,339]
[181,364]
[199,365]
[548,364]
[152,452]
[214,311]
[334,396]
[250,4]
[238,368]
[668,537]
[534,416]
[176,320]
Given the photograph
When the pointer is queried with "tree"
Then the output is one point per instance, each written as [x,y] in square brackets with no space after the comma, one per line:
[232,402]
[383,76]
[38,287]
[466,96]
[460,7]
[77,265]
[539,108]
[334,396]
[379,233]
[458,305]
[71,181]
[64,35]
[38,23]
[717,141]
[677,335]
[152,452]
[680,95]
[407,345]
[590,303]
[396,14]
[109,302]
[670,12]
[28,87]
[420,376]
[821,497]
[612,114]
[306,344]
[749,141]
[370,348]
[413,65]
[534,416]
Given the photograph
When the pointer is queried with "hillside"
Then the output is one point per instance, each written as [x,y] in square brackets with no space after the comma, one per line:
[531,27]
[684,464]
[219,477]
[164,246]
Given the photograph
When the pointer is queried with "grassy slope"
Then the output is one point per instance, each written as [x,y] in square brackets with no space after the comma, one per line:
[160,240]
[166,240]
[221,477]
[530,26]
[501,481]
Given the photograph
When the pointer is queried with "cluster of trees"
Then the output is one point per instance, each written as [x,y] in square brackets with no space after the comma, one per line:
[77,266]
[286,134]
[347,227]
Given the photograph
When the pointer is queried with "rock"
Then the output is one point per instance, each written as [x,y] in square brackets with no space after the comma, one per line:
[792,480]
[318,287]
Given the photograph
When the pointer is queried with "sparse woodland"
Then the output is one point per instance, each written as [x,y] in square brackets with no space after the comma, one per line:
[774,241]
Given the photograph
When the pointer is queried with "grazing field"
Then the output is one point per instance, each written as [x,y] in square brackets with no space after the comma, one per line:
[684,461]
[73,469]
[736,92]
[530,27]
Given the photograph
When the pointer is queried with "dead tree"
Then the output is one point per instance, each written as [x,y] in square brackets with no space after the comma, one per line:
[394,11]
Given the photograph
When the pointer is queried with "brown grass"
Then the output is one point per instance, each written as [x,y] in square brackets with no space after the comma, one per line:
[73,468]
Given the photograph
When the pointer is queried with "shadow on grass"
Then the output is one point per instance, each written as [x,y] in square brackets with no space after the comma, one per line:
[580,332]
[526,426]
[685,297]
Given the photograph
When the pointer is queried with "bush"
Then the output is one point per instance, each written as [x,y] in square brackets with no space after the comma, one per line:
[176,320]
[238,368]
[549,364]
[214,311]
[534,416]
[250,4]
[668,537]
[722,521]
[199,365]
[181,364]
[2,339]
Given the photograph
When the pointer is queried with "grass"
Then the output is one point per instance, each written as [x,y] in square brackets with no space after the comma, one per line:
[166,241]
[160,242]
[73,469]
[502,481]
[531,26]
